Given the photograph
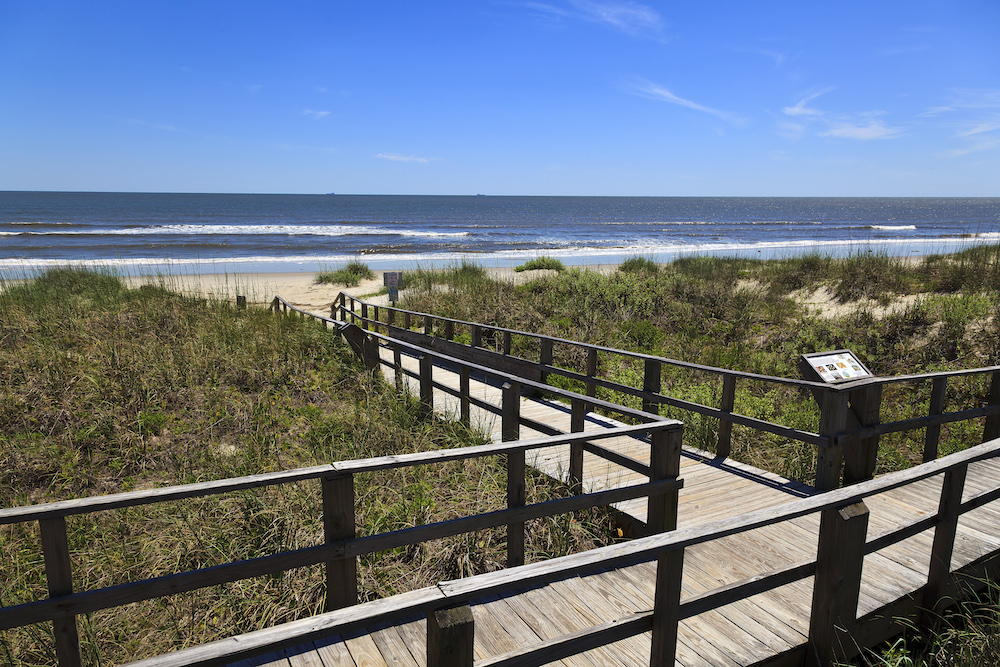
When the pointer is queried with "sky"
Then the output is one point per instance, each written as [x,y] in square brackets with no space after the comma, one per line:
[548,97]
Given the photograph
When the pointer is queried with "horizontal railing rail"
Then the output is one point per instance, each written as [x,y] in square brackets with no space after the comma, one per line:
[837,571]
[341,546]
[850,421]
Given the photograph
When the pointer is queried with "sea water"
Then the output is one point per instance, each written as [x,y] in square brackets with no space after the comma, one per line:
[276,233]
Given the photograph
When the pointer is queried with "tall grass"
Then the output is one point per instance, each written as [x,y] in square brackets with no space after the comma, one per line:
[105,389]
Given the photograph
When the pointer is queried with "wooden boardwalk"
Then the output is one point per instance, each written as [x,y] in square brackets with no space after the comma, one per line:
[768,628]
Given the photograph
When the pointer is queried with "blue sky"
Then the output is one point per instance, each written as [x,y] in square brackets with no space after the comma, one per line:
[557,97]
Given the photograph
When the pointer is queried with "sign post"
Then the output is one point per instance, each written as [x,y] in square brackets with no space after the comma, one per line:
[391,279]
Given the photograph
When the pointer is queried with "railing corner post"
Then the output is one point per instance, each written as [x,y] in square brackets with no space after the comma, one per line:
[664,463]
[451,636]
[830,456]
[667,607]
[837,584]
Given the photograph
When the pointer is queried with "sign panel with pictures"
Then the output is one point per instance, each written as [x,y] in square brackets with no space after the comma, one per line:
[837,366]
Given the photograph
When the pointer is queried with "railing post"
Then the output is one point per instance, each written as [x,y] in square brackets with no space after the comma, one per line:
[241,302]
[861,456]
[651,383]
[451,635]
[397,364]
[449,330]
[375,316]
[506,343]
[837,585]
[426,384]
[939,390]
[991,429]
[463,396]
[510,429]
[406,320]
[428,325]
[59,575]
[338,524]
[276,305]
[592,371]
[364,316]
[725,445]
[545,356]
[666,607]
[944,543]
[664,463]
[390,318]
[343,308]
[477,336]
[578,415]
[830,457]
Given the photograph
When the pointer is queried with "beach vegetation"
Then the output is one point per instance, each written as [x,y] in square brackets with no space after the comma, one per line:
[106,388]
[349,275]
[541,263]
[639,264]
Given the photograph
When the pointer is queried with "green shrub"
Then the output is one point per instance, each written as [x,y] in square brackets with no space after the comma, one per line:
[542,262]
[350,275]
[639,265]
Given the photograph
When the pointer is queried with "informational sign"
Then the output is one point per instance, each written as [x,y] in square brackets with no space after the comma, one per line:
[392,279]
[836,366]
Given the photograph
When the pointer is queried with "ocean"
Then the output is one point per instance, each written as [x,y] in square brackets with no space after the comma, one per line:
[211,233]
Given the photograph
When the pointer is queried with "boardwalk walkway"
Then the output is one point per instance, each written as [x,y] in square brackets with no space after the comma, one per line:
[768,628]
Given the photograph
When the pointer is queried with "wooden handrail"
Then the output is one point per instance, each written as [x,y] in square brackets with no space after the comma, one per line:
[340,550]
[841,438]
[452,593]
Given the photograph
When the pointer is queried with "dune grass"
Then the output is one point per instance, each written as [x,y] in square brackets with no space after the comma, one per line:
[105,389]
[543,262]
[748,315]
[349,275]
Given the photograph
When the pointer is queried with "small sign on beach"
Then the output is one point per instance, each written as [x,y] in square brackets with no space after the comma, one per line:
[832,367]
[391,280]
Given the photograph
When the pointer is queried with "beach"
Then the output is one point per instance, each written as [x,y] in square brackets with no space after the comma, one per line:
[301,289]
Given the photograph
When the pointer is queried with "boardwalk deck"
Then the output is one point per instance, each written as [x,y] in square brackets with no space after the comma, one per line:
[766,628]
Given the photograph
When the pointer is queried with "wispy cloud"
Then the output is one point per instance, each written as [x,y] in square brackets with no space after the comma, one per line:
[984,145]
[863,126]
[655,91]
[396,157]
[801,109]
[631,18]
[315,114]
[254,89]
[864,130]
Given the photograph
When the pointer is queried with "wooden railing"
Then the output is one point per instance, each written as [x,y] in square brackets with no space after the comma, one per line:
[835,631]
[850,421]
[342,546]
[512,385]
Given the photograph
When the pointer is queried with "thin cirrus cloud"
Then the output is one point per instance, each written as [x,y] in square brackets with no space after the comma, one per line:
[396,157]
[312,113]
[631,18]
[654,91]
[862,127]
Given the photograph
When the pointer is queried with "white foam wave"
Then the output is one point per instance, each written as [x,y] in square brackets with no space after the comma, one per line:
[662,252]
[253,230]
[893,228]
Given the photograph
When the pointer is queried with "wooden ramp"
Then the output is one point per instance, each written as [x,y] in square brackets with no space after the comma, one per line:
[767,628]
